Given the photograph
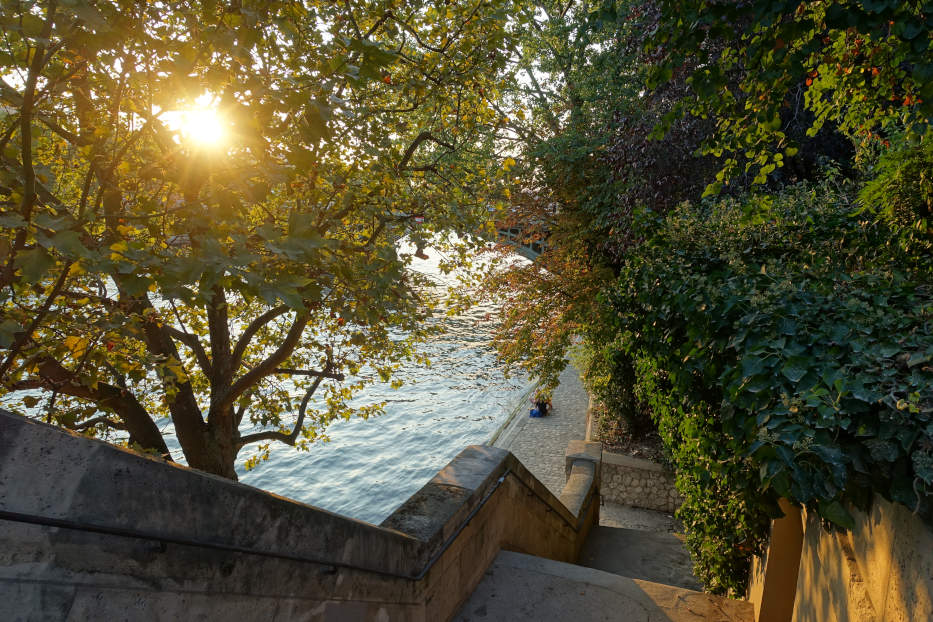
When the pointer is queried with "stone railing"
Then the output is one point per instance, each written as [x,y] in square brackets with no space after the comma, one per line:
[638,483]
[90,531]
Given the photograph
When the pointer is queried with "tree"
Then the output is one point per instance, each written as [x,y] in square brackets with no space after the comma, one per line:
[582,119]
[147,276]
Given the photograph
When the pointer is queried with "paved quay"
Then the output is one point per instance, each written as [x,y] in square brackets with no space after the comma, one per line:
[540,442]
[632,542]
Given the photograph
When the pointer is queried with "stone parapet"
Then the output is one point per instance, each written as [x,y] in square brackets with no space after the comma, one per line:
[91,531]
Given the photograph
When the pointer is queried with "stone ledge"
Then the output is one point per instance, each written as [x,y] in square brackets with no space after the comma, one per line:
[632,462]
[579,486]
[582,450]
[175,542]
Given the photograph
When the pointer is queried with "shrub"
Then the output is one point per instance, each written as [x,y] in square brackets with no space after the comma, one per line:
[785,351]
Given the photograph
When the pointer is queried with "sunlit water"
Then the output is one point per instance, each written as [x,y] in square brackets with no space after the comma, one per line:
[370,467]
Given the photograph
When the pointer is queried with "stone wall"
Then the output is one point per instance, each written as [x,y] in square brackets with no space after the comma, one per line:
[638,483]
[882,570]
[90,531]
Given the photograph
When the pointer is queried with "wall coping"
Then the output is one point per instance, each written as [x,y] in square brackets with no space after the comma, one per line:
[633,462]
[49,473]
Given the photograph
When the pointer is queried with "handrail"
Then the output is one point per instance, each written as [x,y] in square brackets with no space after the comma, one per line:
[133,533]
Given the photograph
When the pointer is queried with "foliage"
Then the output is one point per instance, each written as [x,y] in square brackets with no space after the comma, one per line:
[785,350]
[544,309]
[902,194]
[725,518]
[780,339]
[146,276]
[581,121]
[864,65]
[588,141]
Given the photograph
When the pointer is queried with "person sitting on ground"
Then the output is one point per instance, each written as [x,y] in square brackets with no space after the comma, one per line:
[542,404]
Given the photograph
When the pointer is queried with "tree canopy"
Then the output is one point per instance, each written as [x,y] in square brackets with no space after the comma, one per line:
[146,275]
[864,66]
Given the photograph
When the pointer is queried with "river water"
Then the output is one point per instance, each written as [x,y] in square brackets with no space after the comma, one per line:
[369,467]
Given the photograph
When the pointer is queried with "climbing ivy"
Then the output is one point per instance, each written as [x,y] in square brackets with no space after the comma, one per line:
[786,350]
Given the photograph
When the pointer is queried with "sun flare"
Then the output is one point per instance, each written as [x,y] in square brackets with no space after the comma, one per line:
[203,126]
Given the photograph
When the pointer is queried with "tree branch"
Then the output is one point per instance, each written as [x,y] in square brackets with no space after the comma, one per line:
[254,327]
[90,423]
[26,335]
[219,331]
[423,136]
[194,344]
[310,372]
[276,435]
[267,367]
[52,375]
[25,130]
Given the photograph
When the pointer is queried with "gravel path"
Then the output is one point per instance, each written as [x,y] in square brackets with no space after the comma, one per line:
[540,442]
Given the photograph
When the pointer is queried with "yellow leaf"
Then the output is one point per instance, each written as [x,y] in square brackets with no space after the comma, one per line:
[77,345]
[118,247]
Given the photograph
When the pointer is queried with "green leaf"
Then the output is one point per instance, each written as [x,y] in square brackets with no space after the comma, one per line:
[68,243]
[795,368]
[758,384]
[752,365]
[836,513]
[12,220]
[34,263]
[8,331]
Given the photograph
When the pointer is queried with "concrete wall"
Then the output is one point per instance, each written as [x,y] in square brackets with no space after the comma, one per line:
[638,483]
[773,599]
[882,570]
[90,531]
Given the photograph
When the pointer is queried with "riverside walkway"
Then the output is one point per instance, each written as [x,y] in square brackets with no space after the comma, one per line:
[540,443]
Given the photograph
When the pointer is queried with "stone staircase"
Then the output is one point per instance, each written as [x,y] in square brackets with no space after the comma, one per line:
[629,575]
[521,588]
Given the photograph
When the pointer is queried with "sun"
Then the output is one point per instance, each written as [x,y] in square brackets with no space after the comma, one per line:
[203,126]
[200,125]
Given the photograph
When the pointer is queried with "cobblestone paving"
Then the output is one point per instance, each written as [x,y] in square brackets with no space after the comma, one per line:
[540,442]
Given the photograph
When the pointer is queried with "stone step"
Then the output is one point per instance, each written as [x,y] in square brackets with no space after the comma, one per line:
[646,555]
[613,514]
[523,588]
